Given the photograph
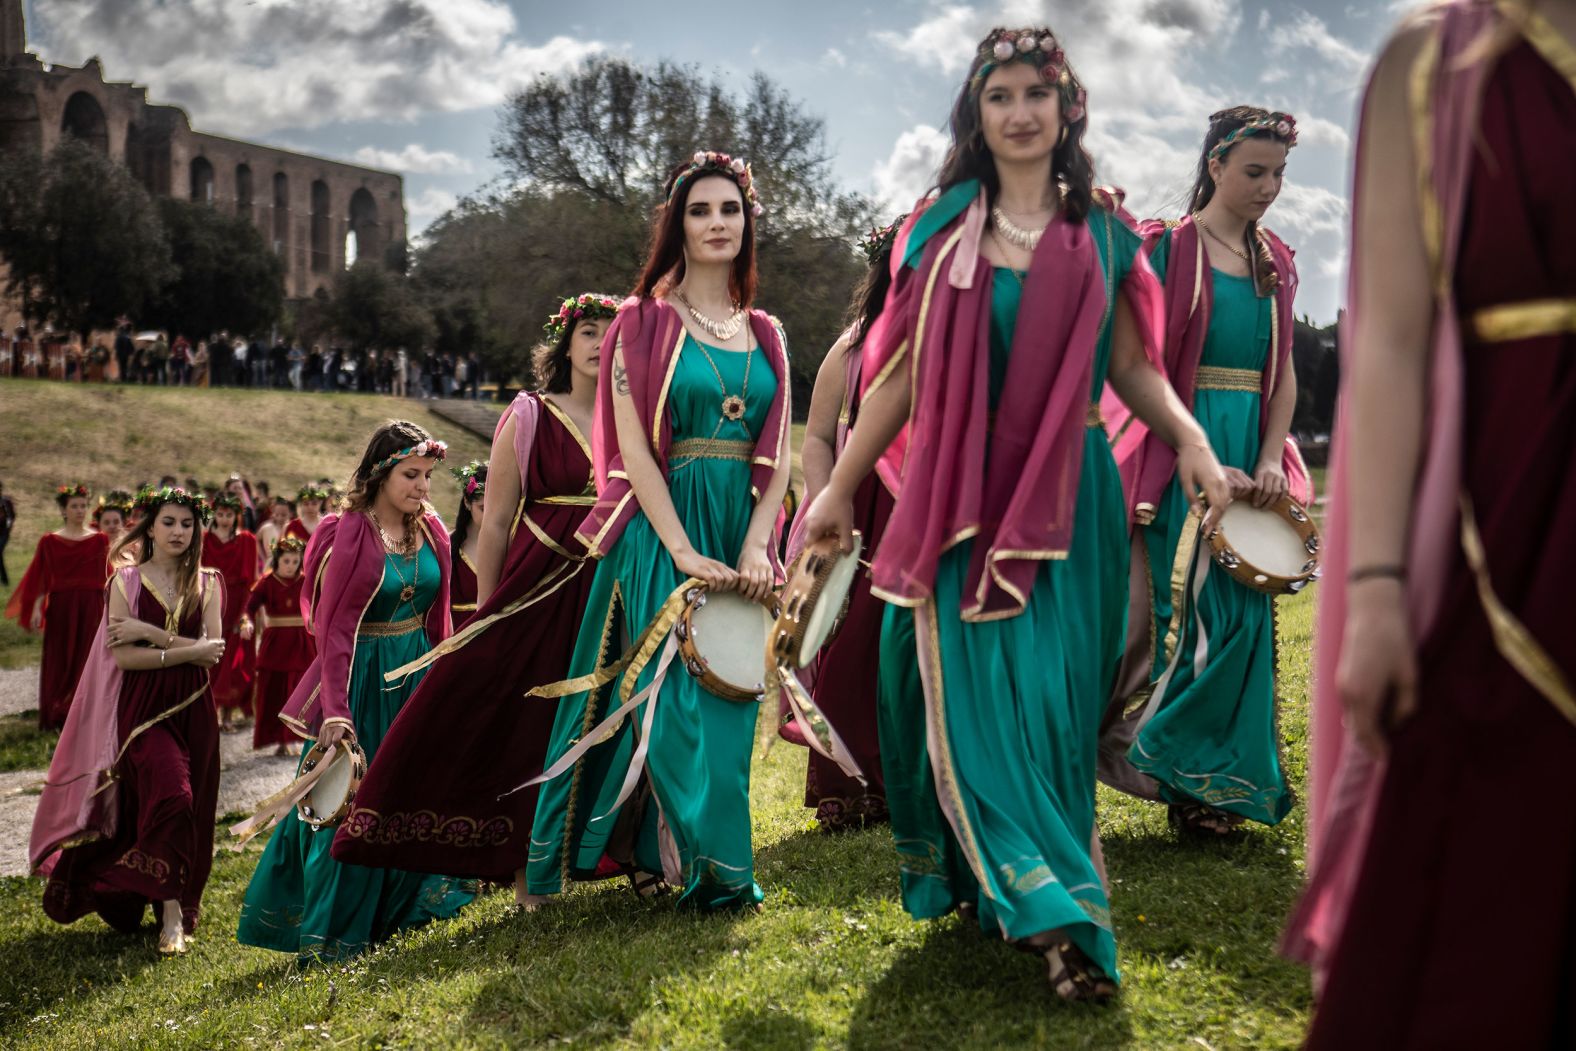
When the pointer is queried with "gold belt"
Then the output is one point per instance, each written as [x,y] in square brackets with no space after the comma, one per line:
[712,449]
[1528,320]
[285,622]
[386,629]
[1093,418]
[586,500]
[463,607]
[1211,377]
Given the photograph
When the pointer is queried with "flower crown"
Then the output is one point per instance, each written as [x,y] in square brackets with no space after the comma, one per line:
[311,492]
[149,500]
[1039,48]
[1282,126]
[587,306]
[475,487]
[428,447]
[286,544]
[115,500]
[710,162]
[228,500]
[880,239]
[69,491]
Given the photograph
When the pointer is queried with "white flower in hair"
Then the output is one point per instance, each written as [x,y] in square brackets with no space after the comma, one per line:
[1026,43]
[1047,43]
[1002,50]
[700,157]
[737,166]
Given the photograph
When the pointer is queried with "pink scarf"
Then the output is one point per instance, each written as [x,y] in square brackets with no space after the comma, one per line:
[1344,780]
[339,592]
[1147,463]
[525,411]
[650,335]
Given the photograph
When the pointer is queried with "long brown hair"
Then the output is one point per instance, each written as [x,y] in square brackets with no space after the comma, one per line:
[366,483]
[550,362]
[1072,169]
[1223,123]
[188,567]
[665,257]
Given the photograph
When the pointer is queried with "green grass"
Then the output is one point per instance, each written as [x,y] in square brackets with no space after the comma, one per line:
[832,962]
[23,746]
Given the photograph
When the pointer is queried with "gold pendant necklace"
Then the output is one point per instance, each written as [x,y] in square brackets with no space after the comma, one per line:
[733,405]
[408,590]
[721,331]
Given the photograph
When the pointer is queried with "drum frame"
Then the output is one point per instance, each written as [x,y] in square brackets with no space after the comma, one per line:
[1257,579]
[803,593]
[697,665]
[358,770]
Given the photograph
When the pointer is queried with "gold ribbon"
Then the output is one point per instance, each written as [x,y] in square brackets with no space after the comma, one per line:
[568,501]
[1531,319]
[711,449]
[284,622]
[1213,377]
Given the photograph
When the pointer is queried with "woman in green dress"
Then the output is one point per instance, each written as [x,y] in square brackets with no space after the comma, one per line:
[691,451]
[1019,293]
[378,575]
[1193,723]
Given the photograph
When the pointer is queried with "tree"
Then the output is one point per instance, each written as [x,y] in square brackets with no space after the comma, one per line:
[80,237]
[376,308]
[226,278]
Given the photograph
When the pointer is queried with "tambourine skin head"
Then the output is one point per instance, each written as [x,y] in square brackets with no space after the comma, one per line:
[717,652]
[1274,550]
[813,600]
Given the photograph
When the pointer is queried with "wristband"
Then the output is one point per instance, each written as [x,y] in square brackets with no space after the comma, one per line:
[1393,572]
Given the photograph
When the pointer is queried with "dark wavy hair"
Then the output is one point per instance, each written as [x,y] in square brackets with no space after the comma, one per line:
[665,257]
[551,365]
[969,158]
[463,519]
[1223,123]
[188,568]
[366,483]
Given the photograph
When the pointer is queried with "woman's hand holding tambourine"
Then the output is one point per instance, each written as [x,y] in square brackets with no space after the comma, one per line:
[1269,483]
[1204,482]
[831,513]
[755,575]
[716,575]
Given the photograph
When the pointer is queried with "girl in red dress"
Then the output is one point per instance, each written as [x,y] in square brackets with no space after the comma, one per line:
[273,528]
[465,539]
[62,595]
[311,505]
[127,815]
[286,649]
[233,552]
[109,517]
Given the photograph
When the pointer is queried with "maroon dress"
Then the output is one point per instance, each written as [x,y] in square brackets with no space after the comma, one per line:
[430,801]
[169,789]
[1462,927]
[284,652]
[845,687]
[70,574]
[462,585]
[236,561]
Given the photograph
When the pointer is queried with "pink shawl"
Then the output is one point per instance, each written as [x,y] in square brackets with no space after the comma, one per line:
[79,798]
[649,333]
[938,317]
[341,588]
[1146,462]
[525,411]
[1345,780]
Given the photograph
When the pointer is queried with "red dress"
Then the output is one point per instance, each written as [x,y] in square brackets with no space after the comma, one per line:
[236,562]
[298,529]
[430,801]
[462,585]
[70,575]
[284,652]
[1461,930]
[162,848]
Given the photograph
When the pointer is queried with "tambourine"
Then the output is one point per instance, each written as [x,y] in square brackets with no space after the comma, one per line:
[1271,549]
[328,801]
[814,600]
[722,642]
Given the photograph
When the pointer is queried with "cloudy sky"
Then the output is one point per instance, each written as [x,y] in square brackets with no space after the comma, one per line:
[414,85]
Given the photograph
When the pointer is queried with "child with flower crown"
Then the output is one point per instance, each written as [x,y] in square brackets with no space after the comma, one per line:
[232,552]
[285,648]
[465,537]
[62,595]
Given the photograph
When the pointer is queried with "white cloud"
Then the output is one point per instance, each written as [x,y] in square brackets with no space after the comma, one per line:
[1309,211]
[249,69]
[911,168]
[428,205]
[834,59]
[1306,31]
[415,159]
[1317,131]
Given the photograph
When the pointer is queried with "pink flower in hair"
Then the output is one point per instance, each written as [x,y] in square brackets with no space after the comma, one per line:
[1002,50]
[737,166]
[1027,43]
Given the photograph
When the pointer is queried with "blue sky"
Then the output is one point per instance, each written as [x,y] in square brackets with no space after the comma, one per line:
[415,84]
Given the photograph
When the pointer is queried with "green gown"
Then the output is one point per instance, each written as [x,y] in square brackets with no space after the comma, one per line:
[698,763]
[1213,737]
[300,899]
[1023,698]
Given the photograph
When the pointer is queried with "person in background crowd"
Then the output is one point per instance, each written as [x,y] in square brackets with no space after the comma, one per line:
[161,360]
[124,350]
[296,360]
[474,373]
[462,375]
[7,521]
[273,528]
[314,368]
[181,361]
[278,363]
[257,358]
[429,375]
[200,364]
[401,368]
[241,376]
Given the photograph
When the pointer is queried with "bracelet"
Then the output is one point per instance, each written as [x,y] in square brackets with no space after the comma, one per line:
[1391,571]
[163,654]
[169,641]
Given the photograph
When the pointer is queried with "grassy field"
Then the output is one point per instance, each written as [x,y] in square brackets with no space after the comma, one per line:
[118,437]
[833,961]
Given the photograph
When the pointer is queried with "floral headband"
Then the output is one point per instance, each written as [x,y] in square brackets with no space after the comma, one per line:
[311,492]
[469,477]
[880,239]
[587,306]
[710,162]
[1282,126]
[115,500]
[226,500]
[149,500]
[429,447]
[1039,48]
[69,491]
[286,544]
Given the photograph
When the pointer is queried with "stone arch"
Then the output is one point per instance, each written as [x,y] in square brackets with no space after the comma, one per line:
[148,157]
[202,180]
[281,233]
[83,118]
[364,240]
[322,223]
[243,191]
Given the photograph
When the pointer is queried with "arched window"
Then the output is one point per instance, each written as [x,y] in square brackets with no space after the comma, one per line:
[202,180]
[243,191]
[364,238]
[281,213]
[322,251]
[84,119]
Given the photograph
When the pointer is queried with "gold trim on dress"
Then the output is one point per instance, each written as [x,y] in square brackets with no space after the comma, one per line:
[667,381]
[569,425]
[1187,544]
[1214,377]
[283,622]
[1094,418]
[387,629]
[1507,322]
[582,500]
[713,449]
[1544,38]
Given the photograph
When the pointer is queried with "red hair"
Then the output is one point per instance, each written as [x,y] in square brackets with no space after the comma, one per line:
[665,258]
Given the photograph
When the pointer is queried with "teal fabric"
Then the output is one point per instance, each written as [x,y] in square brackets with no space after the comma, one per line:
[1214,737]
[1020,703]
[698,765]
[300,899]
